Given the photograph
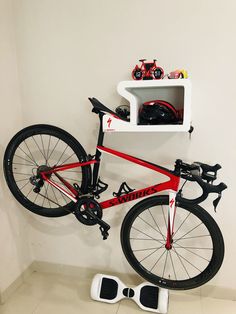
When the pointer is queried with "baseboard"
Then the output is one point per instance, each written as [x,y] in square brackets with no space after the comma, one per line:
[218,292]
[81,272]
[87,273]
[5,294]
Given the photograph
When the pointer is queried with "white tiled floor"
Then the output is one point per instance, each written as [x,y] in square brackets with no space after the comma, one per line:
[56,294]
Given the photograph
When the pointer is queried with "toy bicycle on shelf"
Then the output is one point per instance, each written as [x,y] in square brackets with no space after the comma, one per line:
[147,71]
[168,239]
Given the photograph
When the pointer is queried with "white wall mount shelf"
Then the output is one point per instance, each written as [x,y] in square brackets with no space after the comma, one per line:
[175,91]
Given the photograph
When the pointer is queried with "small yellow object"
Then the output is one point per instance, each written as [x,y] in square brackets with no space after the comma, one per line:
[184,73]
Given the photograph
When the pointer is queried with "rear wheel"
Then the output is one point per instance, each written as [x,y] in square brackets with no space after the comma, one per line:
[158,73]
[40,147]
[196,252]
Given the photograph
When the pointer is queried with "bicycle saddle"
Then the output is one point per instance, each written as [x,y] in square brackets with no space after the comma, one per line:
[98,106]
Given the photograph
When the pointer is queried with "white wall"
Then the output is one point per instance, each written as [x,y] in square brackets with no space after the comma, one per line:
[69,50]
[15,253]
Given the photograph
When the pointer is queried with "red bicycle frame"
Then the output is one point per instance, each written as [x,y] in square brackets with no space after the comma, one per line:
[172,184]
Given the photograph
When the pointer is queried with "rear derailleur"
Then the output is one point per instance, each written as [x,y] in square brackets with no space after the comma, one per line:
[89,212]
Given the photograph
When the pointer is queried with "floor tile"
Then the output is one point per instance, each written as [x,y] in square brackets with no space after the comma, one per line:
[53,293]
[67,295]
[128,307]
[218,306]
[18,304]
[182,303]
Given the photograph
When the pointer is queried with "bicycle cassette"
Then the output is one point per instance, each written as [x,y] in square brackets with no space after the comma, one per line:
[87,210]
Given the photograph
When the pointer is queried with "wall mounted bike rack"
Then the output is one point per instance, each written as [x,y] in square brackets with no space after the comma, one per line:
[175,91]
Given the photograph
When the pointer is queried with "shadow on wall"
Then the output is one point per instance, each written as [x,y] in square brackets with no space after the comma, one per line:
[14,231]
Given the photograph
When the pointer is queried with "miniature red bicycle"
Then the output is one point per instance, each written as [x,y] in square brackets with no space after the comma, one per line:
[168,239]
[147,71]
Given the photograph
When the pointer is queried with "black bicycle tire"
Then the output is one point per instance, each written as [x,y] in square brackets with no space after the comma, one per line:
[9,155]
[203,215]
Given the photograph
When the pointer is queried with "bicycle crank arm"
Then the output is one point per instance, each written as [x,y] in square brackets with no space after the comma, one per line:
[104,227]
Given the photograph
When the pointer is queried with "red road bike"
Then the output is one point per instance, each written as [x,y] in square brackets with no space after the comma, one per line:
[168,239]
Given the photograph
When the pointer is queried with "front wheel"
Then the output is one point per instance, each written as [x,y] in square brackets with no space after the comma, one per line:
[41,147]
[197,248]
[137,74]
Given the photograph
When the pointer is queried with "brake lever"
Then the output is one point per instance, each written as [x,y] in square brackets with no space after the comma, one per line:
[216,201]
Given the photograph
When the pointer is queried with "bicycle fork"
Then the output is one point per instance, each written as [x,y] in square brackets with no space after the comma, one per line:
[170,220]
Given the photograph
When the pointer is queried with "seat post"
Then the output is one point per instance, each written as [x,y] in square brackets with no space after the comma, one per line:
[101,133]
[98,153]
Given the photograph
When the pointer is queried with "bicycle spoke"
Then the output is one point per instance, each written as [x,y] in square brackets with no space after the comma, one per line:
[27,179]
[62,155]
[54,148]
[24,174]
[30,161]
[30,153]
[29,192]
[62,163]
[150,254]
[189,231]
[145,234]
[63,195]
[44,197]
[145,239]
[156,225]
[38,147]
[172,265]
[158,260]
[46,190]
[165,264]
[27,156]
[187,249]
[188,261]
[182,223]
[44,154]
[25,185]
[36,197]
[49,141]
[164,216]
[150,225]
[182,263]
[27,165]
[187,238]
[148,249]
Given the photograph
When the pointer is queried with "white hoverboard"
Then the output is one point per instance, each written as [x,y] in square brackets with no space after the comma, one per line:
[111,289]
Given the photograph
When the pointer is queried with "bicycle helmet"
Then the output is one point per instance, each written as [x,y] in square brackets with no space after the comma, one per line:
[157,112]
[123,112]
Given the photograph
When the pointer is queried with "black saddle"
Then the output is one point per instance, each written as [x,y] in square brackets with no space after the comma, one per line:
[98,107]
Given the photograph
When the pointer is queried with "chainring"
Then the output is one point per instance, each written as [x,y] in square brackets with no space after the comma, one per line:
[81,211]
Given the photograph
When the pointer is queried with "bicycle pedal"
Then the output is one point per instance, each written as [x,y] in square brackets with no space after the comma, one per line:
[104,230]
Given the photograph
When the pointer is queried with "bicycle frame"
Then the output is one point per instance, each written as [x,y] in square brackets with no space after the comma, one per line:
[171,185]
